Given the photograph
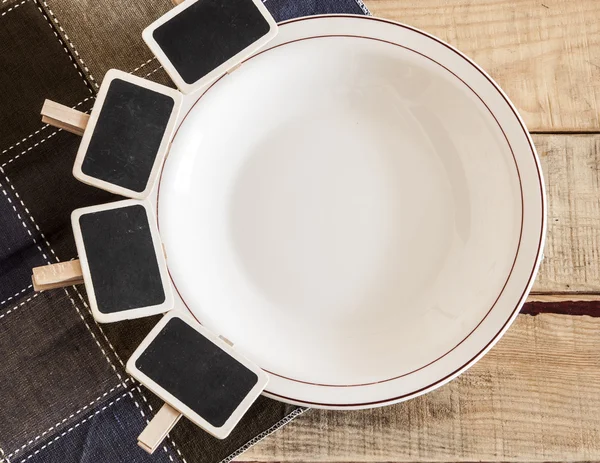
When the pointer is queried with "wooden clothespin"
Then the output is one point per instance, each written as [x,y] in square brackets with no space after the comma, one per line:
[127,135]
[65,118]
[197,374]
[57,275]
[121,262]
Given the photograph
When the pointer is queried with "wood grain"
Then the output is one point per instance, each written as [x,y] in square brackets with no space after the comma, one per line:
[544,53]
[534,397]
[571,166]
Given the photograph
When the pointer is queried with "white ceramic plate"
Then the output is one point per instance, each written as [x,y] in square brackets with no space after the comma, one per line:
[359,208]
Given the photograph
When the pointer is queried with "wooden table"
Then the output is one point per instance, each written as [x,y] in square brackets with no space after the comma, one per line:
[536,395]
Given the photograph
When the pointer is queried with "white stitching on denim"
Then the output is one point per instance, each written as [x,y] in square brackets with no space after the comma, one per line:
[15,295]
[285,420]
[65,49]
[39,130]
[152,72]
[177,449]
[21,218]
[9,183]
[71,44]
[45,126]
[10,9]
[85,407]
[2,315]
[142,65]
[3,457]
[43,140]
[363,7]
[93,335]
[72,428]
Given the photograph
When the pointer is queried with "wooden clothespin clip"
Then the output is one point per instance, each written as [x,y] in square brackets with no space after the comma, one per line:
[65,118]
[121,262]
[197,374]
[127,135]
[57,275]
[234,28]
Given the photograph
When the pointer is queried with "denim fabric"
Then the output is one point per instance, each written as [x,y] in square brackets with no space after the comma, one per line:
[17,255]
[106,434]
[65,396]
[33,66]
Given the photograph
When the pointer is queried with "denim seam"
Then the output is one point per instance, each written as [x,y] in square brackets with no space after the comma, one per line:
[11,8]
[15,295]
[142,65]
[60,40]
[285,420]
[51,428]
[72,428]
[152,72]
[71,45]
[16,307]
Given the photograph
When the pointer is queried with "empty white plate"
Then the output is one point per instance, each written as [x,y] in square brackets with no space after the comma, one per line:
[358,208]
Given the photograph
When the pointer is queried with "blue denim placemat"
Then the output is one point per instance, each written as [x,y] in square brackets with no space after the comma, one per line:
[64,394]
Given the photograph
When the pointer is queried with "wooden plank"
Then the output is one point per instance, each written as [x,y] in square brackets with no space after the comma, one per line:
[534,397]
[571,166]
[544,53]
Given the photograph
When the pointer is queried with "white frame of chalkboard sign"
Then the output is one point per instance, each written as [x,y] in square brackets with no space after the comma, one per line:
[91,125]
[223,431]
[147,35]
[102,317]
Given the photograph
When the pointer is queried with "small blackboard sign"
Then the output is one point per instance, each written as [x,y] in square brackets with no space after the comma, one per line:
[122,261]
[127,135]
[197,373]
[200,39]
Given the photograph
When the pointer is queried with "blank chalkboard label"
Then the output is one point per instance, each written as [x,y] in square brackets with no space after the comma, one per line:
[128,134]
[201,38]
[121,260]
[197,373]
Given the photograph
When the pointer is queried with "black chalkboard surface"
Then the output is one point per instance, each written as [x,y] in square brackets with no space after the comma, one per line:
[199,36]
[127,135]
[197,373]
[123,272]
